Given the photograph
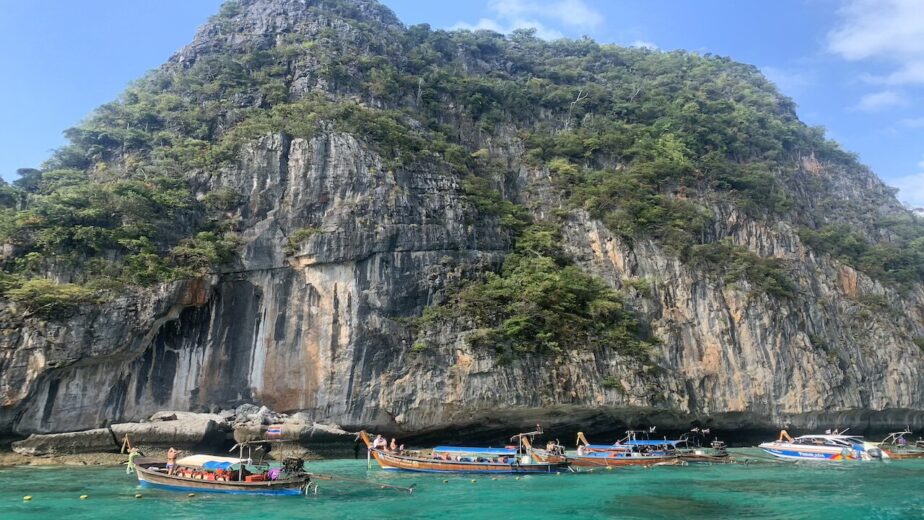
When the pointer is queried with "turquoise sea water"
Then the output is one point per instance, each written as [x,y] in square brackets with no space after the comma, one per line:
[893,490]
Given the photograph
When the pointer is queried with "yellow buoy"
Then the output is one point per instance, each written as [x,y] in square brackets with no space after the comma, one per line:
[445,482]
[191,495]
[493,478]
[473,481]
[609,468]
[27,498]
[558,472]
[137,495]
[84,497]
[518,478]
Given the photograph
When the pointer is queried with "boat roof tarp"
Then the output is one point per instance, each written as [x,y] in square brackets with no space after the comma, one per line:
[649,443]
[467,449]
[201,460]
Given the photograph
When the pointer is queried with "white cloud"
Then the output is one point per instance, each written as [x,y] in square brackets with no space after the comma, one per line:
[888,30]
[908,74]
[787,80]
[911,189]
[541,15]
[642,44]
[542,31]
[880,100]
[573,13]
[914,122]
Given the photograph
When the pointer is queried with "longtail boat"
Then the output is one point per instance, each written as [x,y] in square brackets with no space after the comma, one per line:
[690,448]
[899,447]
[207,473]
[629,451]
[458,459]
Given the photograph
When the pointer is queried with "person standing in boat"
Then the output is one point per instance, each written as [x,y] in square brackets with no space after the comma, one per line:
[171,460]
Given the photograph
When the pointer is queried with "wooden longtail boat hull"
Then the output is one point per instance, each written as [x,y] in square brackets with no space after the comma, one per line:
[604,462]
[393,461]
[149,476]
[902,455]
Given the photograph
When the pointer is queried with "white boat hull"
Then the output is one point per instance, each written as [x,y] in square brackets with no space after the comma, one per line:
[790,451]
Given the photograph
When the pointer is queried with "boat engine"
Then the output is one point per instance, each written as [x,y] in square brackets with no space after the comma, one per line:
[293,465]
[874,453]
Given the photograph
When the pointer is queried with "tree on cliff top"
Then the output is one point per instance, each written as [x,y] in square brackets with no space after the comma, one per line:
[647,141]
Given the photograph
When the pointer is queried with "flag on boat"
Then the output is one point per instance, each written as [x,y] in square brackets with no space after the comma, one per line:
[274,430]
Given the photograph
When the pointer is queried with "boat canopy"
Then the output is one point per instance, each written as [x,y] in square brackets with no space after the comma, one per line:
[213,461]
[651,443]
[483,451]
[603,446]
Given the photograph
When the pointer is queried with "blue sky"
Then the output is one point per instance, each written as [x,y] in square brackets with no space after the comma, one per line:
[855,67]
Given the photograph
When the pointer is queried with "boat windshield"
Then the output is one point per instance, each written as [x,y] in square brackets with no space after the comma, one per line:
[828,440]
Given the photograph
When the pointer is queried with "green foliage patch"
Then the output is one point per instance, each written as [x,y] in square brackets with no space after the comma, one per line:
[732,262]
[540,302]
[899,260]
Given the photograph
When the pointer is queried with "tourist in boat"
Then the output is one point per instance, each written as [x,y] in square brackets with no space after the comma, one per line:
[171,460]
[393,447]
[379,443]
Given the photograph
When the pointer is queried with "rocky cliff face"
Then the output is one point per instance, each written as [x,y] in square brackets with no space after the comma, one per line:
[320,325]
[320,330]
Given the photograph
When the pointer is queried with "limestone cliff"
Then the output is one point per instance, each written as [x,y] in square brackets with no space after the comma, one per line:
[321,324]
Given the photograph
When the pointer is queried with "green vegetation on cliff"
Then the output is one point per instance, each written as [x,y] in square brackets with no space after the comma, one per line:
[650,143]
[541,302]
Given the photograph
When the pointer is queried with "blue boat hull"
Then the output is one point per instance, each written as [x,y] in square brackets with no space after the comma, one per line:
[189,489]
[475,471]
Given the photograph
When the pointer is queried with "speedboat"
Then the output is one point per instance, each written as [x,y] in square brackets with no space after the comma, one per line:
[828,447]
